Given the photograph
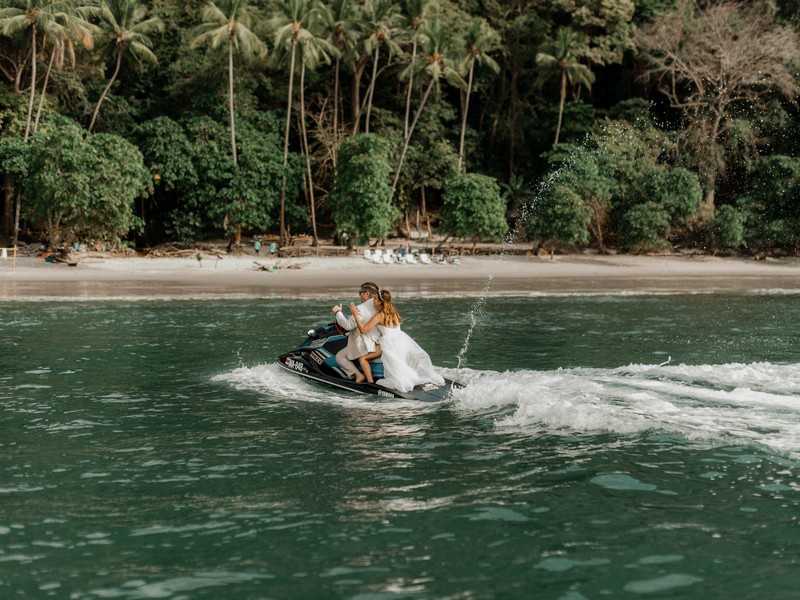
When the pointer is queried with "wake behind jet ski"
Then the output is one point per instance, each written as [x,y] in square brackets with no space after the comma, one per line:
[315,359]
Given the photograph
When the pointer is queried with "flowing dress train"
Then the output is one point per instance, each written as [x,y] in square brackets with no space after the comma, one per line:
[405,364]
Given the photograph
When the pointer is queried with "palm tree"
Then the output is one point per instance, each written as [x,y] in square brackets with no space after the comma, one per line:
[562,57]
[344,29]
[416,11]
[124,33]
[69,25]
[226,23]
[291,26]
[383,17]
[436,61]
[480,40]
[314,50]
[36,16]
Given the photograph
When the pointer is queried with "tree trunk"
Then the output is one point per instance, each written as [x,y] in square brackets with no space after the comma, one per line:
[410,86]
[283,236]
[561,105]
[44,91]
[237,226]
[33,84]
[707,208]
[411,131]
[371,91]
[464,118]
[311,207]
[425,215]
[356,107]
[18,206]
[512,123]
[336,104]
[108,87]
[230,103]
[8,210]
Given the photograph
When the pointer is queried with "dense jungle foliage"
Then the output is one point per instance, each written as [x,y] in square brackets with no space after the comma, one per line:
[613,124]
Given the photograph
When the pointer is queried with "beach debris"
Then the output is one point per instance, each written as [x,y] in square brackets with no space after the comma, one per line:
[173,252]
[259,266]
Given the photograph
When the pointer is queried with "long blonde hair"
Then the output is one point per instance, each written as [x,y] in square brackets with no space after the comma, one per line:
[391,318]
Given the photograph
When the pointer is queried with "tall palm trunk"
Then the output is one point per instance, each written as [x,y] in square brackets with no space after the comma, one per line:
[283,239]
[108,87]
[358,72]
[372,86]
[410,131]
[512,121]
[237,226]
[464,117]
[410,86]
[18,199]
[44,89]
[561,105]
[336,104]
[230,101]
[307,153]
[33,84]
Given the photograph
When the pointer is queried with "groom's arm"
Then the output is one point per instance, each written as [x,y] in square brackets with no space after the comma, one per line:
[345,322]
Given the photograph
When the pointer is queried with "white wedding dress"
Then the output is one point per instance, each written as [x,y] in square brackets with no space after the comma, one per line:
[405,364]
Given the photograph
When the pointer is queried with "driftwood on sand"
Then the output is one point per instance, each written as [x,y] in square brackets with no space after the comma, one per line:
[259,266]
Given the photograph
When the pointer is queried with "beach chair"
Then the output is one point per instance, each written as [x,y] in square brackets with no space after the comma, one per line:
[377,256]
[411,259]
[424,258]
[367,253]
[388,256]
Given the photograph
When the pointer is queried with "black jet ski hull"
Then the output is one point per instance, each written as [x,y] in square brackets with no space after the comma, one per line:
[315,359]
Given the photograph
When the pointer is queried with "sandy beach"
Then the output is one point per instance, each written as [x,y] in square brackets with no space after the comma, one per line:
[250,276]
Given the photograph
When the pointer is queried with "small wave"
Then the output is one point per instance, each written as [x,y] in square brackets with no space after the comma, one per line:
[275,383]
[755,403]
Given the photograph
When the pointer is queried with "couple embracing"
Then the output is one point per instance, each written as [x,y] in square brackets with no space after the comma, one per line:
[375,332]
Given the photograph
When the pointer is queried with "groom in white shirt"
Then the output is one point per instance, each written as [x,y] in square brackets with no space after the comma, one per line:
[358,344]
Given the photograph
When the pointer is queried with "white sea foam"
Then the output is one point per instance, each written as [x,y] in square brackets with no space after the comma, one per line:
[753,404]
[273,382]
[756,403]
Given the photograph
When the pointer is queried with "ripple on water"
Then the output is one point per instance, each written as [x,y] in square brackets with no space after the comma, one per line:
[661,584]
[167,588]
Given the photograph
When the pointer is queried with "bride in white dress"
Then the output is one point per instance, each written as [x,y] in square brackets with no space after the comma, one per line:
[405,364]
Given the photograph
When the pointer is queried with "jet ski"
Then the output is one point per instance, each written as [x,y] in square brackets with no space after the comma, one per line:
[315,359]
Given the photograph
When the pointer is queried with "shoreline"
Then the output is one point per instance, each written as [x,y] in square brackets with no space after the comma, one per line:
[98,277]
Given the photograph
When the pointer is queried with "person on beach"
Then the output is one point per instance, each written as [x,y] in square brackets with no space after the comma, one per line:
[358,343]
[405,364]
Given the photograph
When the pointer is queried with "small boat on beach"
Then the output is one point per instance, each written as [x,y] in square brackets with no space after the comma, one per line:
[315,359]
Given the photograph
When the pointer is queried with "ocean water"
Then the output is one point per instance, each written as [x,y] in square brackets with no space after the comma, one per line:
[620,446]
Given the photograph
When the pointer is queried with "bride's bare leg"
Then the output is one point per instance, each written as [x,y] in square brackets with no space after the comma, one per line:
[364,362]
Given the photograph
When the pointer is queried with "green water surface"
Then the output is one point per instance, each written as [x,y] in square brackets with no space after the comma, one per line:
[608,446]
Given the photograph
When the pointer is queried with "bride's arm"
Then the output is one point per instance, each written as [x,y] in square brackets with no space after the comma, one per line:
[375,320]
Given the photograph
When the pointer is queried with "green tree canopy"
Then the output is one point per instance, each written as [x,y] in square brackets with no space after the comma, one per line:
[473,207]
[361,201]
[83,187]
